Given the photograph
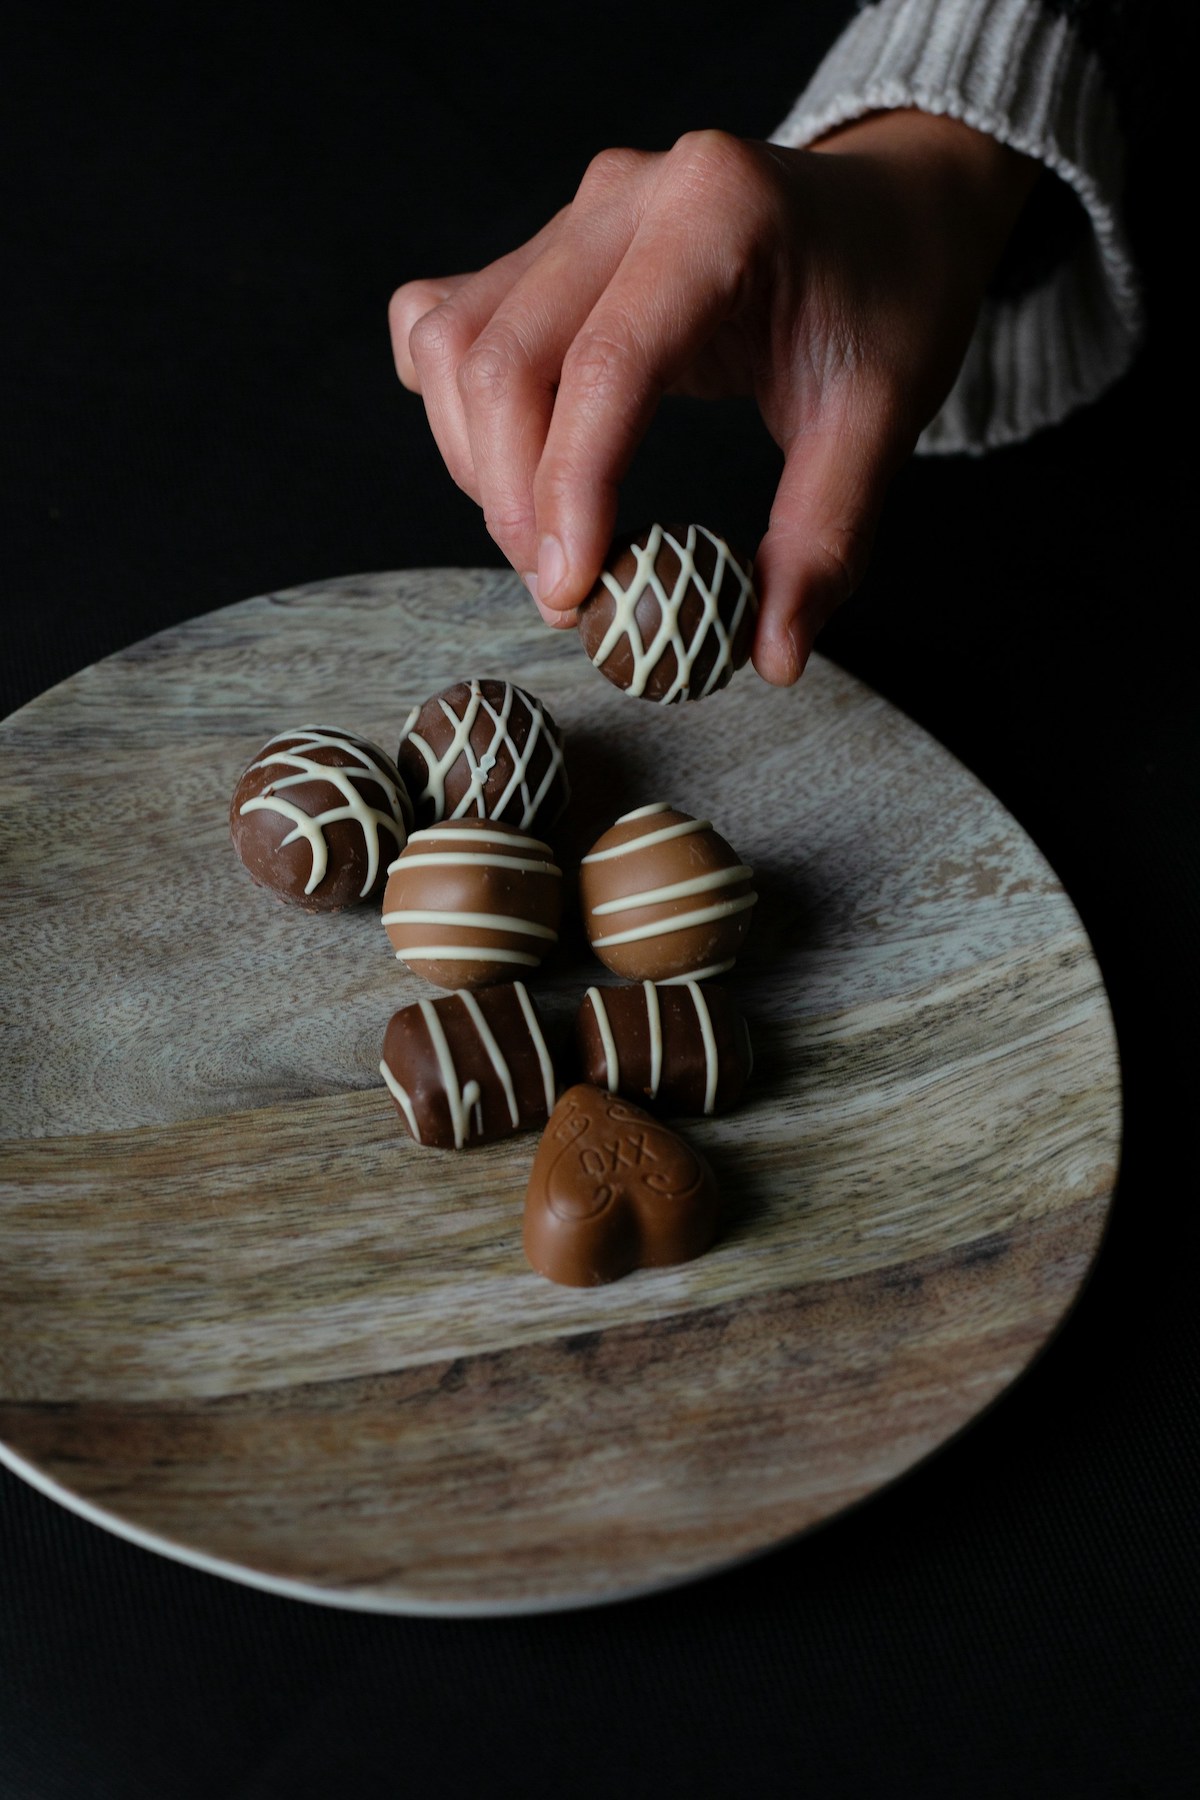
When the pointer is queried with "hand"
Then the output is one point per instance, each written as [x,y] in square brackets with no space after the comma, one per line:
[838,285]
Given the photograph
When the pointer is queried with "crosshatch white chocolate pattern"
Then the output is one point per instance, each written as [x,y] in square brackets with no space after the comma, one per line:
[371,765]
[481,762]
[668,633]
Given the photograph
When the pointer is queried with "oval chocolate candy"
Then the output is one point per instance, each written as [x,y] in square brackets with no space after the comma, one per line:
[465,1067]
[681,1048]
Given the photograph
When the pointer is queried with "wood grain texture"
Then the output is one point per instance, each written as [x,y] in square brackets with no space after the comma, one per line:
[245,1319]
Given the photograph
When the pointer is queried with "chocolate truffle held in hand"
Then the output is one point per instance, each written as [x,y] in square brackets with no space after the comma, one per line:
[317,817]
[672,616]
[664,897]
[473,902]
[484,749]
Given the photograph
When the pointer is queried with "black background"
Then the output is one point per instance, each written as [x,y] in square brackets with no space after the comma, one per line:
[203,215]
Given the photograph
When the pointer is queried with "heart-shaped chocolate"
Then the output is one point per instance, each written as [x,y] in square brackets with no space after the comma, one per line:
[613,1190]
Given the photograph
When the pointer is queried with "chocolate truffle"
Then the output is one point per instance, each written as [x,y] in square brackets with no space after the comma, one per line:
[680,1049]
[472,902]
[468,1067]
[672,615]
[485,749]
[665,897]
[613,1190]
[317,817]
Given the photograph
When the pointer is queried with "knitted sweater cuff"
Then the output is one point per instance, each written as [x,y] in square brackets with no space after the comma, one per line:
[1021,75]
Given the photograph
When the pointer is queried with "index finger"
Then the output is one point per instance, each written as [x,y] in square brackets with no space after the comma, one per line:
[683,275]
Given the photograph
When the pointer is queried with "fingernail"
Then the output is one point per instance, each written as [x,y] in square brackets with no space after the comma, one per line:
[530,580]
[552,566]
[552,615]
[798,640]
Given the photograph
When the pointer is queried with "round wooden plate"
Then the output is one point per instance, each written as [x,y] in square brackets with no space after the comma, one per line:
[246,1322]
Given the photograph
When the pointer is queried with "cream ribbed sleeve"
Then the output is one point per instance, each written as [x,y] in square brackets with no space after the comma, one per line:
[1021,74]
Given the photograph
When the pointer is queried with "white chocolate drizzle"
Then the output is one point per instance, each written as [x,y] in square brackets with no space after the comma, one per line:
[479,921]
[401,1097]
[711,1062]
[372,766]
[700,915]
[612,1065]
[481,762]
[493,1049]
[654,1027]
[677,890]
[479,953]
[420,853]
[684,828]
[460,1098]
[465,1100]
[717,968]
[539,1044]
[668,633]
[461,859]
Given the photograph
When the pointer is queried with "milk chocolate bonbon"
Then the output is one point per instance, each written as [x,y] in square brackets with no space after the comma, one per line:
[672,615]
[317,817]
[612,1190]
[677,1049]
[473,902]
[465,1068]
[484,749]
[664,897]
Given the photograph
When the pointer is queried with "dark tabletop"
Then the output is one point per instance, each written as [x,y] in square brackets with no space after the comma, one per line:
[204,213]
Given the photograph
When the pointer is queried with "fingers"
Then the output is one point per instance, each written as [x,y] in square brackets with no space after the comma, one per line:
[508,380]
[684,273]
[433,324]
[408,304]
[541,373]
[818,544]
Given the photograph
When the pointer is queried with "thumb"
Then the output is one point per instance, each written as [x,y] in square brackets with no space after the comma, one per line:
[818,544]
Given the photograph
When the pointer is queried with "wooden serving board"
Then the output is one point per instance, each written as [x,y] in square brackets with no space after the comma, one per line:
[245,1321]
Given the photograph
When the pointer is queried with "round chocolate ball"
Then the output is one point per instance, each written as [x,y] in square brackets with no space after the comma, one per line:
[672,615]
[472,902]
[484,749]
[317,817]
[664,897]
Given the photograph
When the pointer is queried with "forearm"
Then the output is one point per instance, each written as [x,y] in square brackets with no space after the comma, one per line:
[1031,78]
[977,186]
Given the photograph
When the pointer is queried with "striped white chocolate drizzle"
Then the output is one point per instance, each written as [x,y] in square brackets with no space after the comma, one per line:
[669,634]
[612,1065]
[684,828]
[711,1061]
[654,1027]
[493,1049]
[710,882]
[401,1097]
[465,1100]
[371,766]
[701,915]
[539,1044]
[419,854]
[460,1097]
[481,762]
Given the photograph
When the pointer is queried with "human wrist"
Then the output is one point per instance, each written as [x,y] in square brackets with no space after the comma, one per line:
[978,184]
